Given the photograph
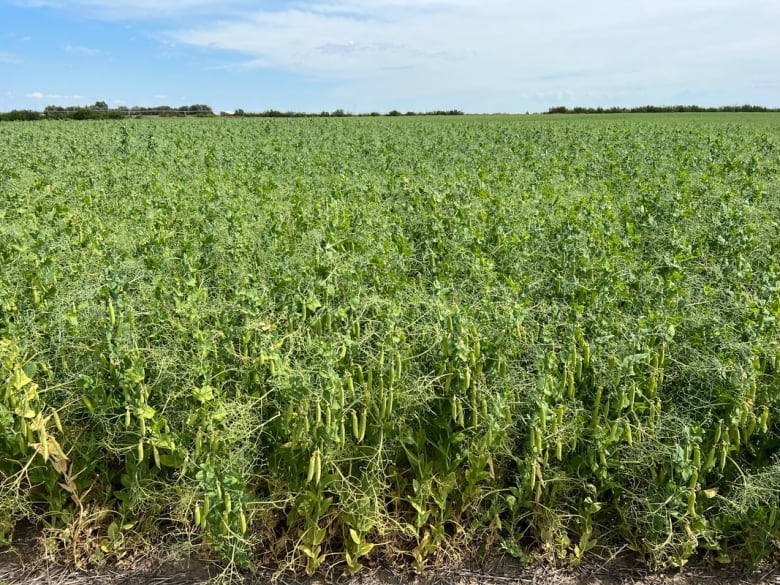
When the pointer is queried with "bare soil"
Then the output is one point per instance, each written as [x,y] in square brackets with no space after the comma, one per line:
[24,564]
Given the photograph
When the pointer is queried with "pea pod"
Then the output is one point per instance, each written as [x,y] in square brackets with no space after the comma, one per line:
[718,432]
[537,438]
[594,419]
[355,426]
[692,503]
[751,427]
[314,473]
[543,416]
[708,463]
[763,419]
[694,479]
[57,423]
[363,421]
[206,509]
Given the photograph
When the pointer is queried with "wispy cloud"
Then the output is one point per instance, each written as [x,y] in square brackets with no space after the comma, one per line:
[500,45]
[79,50]
[39,95]
[495,53]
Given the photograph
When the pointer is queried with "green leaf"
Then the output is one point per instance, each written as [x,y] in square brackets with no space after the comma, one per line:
[135,373]
[145,411]
[203,394]
[174,460]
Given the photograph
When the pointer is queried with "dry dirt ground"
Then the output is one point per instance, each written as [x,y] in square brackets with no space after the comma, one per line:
[593,575]
[22,565]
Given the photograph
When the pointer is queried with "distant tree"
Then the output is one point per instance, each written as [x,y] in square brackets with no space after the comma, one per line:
[21,115]
[201,109]
[54,112]
[651,109]
[445,113]
[82,114]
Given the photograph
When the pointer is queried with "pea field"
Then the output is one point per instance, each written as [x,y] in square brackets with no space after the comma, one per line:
[328,344]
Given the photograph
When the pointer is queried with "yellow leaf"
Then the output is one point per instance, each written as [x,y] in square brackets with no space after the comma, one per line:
[31,393]
[364,549]
[54,448]
[19,379]
[28,413]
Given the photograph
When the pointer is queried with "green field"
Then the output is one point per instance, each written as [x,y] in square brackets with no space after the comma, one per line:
[326,343]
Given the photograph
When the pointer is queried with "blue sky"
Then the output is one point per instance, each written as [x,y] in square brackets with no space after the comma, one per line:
[377,55]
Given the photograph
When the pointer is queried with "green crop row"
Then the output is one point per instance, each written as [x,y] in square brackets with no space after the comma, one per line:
[326,343]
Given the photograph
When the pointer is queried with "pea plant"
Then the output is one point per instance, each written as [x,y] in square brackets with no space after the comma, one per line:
[327,344]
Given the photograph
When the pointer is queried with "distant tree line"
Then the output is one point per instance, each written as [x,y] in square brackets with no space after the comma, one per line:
[100,111]
[334,114]
[20,115]
[658,109]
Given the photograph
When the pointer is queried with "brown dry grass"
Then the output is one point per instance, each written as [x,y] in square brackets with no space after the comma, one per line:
[27,564]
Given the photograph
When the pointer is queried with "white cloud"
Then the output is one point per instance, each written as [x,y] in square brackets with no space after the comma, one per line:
[449,47]
[39,95]
[377,52]
[79,50]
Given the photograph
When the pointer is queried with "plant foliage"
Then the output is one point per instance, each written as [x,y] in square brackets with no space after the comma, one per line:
[326,341]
